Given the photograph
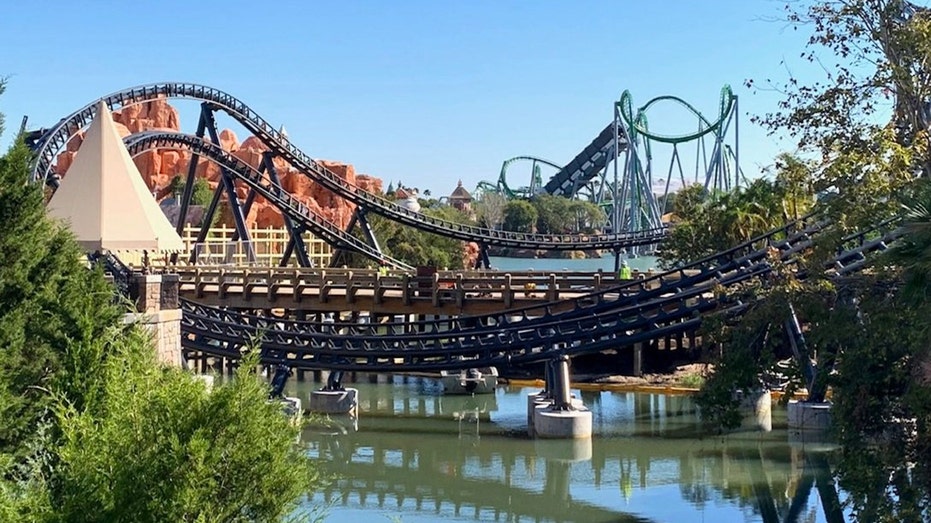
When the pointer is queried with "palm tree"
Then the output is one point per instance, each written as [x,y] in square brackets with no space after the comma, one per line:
[913,251]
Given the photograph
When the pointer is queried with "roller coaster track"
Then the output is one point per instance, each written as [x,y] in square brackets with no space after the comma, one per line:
[535,182]
[57,137]
[631,292]
[263,185]
[222,333]
[587,164]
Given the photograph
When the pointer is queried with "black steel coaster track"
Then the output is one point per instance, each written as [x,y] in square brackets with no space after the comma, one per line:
[629,294]
[57,137]
[586,164]
[222,333]
[263,185]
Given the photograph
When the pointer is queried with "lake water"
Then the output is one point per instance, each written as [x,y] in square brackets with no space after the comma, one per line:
[415,455]
[605,263]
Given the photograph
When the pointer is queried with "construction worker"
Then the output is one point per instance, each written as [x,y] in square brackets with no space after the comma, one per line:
[382,268]
[624,273]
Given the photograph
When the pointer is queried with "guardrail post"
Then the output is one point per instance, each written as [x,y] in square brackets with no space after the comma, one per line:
[246,285]
[507,293]
[436,289]
[350,287]
[406,284]
[552,293]
[460,291]
[271,287]
[376,290]
[198,284]
[296,291]
[221,284]
[324,287]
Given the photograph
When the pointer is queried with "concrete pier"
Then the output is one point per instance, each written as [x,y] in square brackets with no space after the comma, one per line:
[758,410]
[344,401]
[805,416]
[559,415]
[552,422]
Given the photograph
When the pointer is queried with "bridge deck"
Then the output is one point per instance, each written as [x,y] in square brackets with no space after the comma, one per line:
[337,290]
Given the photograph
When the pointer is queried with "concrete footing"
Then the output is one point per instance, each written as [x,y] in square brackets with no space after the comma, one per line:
[804,416]
[344,401]
[550,422]
[537,401]
[758,408]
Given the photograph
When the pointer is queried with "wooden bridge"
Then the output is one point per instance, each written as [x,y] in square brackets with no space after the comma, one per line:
[339,290]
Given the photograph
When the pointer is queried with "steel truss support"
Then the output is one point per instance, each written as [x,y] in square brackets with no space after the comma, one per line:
[208,123]
[358,218]
[296,242]
[482,261]
[191,172]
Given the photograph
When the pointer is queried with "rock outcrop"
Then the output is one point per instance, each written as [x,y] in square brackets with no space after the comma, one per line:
[158,168]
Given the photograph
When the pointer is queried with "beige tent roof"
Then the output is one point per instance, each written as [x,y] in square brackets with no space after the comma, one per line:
[104,199]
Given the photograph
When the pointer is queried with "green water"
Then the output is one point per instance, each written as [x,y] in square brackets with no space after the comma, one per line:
[414,455]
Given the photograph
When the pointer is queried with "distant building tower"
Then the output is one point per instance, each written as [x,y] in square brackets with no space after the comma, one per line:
[461,199]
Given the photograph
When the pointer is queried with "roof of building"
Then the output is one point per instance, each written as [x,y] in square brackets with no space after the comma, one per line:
[104,199]
[459,193]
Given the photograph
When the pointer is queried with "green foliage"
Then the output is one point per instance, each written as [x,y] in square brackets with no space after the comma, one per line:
[520,216]
[554,216]
[559,215]
[93,429]
[414,246]
[202,195]
[873,324]
[51,307]
[692,381]
[707,223]
[159,447]
[489,209]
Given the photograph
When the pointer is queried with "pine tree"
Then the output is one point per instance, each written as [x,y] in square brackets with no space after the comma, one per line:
[50,306]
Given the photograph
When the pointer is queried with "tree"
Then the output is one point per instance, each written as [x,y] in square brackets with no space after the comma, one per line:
[93,429]
[490,209]
[554,214]
[589,218]
[201,195]
[414,246]
[159,447]
[519,216]
[706,224]
[865,128]
[51,307]
[865,122]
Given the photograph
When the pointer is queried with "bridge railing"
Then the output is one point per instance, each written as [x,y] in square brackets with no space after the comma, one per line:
[440,287]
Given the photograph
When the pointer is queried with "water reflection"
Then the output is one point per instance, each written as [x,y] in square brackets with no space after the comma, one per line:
[425,457]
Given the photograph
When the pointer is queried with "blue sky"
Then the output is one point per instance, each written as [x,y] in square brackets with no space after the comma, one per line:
[425,92]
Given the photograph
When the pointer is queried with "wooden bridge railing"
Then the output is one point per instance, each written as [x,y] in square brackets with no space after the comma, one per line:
[442,286]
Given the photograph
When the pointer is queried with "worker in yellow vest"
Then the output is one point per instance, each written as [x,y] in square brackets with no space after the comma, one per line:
[624,273]
[382,268]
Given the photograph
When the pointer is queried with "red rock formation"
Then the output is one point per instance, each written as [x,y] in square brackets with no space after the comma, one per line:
[159,167]
[470,252]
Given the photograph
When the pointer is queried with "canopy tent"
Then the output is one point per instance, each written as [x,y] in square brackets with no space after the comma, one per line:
[104,199]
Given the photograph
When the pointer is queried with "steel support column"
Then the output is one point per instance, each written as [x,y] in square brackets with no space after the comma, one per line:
[296,243]
[229,186]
